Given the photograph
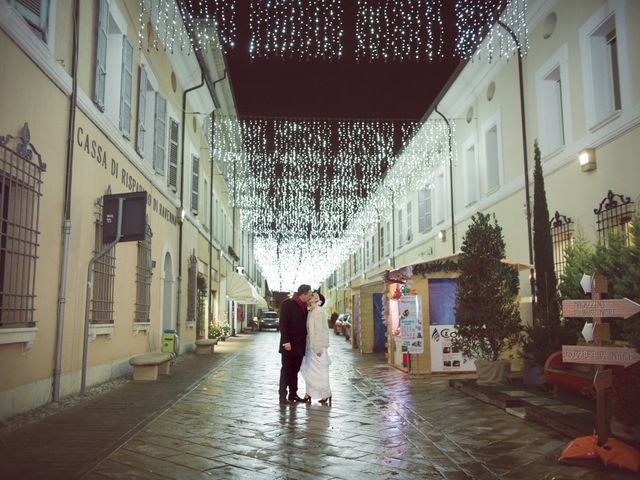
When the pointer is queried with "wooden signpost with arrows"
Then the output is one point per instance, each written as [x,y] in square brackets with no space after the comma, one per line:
[610,451]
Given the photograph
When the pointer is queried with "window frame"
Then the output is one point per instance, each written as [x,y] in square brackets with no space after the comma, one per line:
[493,121]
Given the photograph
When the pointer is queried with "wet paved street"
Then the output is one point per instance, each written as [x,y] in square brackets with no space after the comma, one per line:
[382,425]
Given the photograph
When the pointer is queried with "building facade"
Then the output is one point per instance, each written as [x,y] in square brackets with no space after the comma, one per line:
[106,111]
[581,90]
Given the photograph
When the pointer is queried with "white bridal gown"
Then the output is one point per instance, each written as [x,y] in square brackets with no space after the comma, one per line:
[314,368]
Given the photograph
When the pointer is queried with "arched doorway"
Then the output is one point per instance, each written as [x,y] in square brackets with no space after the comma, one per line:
[167,293]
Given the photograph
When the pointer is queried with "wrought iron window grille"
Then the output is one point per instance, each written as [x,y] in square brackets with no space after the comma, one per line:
[561,238]
[615,212]
[144,274]
[20,192]
[104,272]
[192,288]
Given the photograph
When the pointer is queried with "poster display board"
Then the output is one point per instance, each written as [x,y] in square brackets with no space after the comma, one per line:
[442,299]
[410,316]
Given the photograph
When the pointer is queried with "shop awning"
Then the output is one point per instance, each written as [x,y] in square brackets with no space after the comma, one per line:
[240,290]
[262,303]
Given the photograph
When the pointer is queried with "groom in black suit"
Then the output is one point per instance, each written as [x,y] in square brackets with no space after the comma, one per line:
[293,341]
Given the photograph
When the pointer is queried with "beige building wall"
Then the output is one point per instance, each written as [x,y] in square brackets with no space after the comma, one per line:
[36,85]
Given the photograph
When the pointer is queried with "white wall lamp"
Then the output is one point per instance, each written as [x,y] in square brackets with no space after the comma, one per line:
[442,235]
[587,159]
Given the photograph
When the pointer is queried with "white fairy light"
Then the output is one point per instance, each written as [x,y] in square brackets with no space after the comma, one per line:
[477,24]
[298,29]
[210,24]
[309,189]
[401,30]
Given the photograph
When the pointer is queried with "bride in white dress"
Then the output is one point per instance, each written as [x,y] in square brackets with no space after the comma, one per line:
[315,365]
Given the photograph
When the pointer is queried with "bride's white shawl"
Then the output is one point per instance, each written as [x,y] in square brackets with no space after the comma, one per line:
[317,330]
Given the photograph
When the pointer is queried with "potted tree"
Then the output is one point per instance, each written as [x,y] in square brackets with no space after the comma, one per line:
[487,316]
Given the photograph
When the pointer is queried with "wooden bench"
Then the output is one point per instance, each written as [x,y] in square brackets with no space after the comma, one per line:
[147,366]
[204,346]
[573,377]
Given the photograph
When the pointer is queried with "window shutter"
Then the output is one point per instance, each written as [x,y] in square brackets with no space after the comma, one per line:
[126,85]
[195,175]
[172,179]
[101,55]
[36,12]
[160,124]
[142,109]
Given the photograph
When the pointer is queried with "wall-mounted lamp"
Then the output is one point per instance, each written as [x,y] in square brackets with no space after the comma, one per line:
[442,235]
[587,159]
[183,213]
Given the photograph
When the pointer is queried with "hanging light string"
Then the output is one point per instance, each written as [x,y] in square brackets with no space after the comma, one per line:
[478,30]
[385,30]
[309,189]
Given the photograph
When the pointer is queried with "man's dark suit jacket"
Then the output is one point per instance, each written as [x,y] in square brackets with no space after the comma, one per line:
[293,327]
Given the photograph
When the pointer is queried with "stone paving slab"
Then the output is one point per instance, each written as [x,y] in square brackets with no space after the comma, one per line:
[68,444]
[225,422]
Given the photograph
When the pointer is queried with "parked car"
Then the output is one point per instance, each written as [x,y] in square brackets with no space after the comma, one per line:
[269,320]
[339,326]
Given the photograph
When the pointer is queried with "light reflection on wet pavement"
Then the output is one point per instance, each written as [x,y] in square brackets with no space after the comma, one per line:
[382,425]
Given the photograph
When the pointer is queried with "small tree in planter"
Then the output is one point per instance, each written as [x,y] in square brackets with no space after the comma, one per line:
[546,334]
[487,316]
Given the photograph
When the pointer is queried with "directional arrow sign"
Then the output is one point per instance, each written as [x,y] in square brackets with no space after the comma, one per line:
[624,308]
[600,355]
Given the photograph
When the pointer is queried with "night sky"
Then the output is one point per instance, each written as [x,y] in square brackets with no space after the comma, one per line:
[343,89]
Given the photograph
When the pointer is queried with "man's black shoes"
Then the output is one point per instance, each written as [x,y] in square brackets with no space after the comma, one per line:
[284,401]
[297,399]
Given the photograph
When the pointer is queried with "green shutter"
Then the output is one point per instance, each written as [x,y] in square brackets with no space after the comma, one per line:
[142,110]
[126,86]
[101,55]
[172,178]
[159,137]
[195,177]
[36,12]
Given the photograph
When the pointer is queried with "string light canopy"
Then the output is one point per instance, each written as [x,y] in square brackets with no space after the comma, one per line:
[398,30]
[301,29]
[401,30]
[478,24]
[308,189]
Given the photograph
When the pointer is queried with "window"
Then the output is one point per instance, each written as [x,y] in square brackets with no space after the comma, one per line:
[400,229]
[561,238]
[172,177]
[409,222]
[20,183]
[373,248]
[144,273]
[367,261]
[382,251]
[195,178]
[470,175]
[202,300]
[552,93]
[440,200]
[192,279]
[104,273]
[36,13]
[424,210]
[387,238]
[159,133]
[603,48]
[205,213]
[614,214]
[114,64]
[492,159]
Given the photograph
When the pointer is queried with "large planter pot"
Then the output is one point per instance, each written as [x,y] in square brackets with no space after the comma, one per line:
[532,373]
[492,373]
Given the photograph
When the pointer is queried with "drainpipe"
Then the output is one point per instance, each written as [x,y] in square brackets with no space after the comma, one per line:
[66,224]
[184,115]
[526,162]
[453,221]
[213,119]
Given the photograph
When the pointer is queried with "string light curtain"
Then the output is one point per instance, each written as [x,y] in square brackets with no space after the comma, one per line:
[477,24]
[399,30]
[309,189]
[164,24]
[299,29]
